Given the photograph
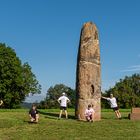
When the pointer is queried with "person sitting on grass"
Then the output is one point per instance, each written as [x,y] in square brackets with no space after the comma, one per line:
[33,114]
[89,113]
[113,103]
[63,100]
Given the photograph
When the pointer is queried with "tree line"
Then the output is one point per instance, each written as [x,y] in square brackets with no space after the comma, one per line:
[17,80]
[126,91]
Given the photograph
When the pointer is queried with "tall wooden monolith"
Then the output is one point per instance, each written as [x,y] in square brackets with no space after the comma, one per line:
[88,81]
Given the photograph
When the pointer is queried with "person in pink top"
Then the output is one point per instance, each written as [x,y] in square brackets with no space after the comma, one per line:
[89,113]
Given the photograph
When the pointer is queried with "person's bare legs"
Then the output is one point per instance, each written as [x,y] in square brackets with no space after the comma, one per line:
[37,118]
[32,119]
[87,118]
[118,114]
[66,113]
[60,114]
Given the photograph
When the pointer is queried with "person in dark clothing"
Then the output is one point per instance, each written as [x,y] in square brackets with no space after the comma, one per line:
[33,114]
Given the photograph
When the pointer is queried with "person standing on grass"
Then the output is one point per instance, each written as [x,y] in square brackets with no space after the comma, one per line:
[63,100]
[89,113]
[113,103]
[33,114]
[1,102]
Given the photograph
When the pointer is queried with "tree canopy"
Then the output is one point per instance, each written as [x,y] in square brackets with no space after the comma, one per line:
[16,80]
[127,91]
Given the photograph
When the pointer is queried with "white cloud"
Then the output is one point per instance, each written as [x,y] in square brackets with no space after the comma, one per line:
[132,68]
[135,66]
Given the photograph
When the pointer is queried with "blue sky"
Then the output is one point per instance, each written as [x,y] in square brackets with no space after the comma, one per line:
[45,33]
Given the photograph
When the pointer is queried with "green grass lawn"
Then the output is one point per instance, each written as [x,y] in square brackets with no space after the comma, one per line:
[14,126]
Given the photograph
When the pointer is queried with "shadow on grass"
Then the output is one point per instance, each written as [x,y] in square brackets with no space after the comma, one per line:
[29,122]
[109,118]
[54,115]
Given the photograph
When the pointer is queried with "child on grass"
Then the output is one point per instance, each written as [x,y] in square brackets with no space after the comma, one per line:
[33,114]
[89,113]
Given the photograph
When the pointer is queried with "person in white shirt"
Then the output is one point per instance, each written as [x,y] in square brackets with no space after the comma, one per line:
[1,102]
[89,113]
[63,100]
[113,104]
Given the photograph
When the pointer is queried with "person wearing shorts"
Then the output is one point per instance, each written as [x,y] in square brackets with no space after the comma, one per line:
[63,100]
[113,104]
[33,114]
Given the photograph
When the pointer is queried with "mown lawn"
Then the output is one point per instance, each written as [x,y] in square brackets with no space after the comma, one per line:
[14,126]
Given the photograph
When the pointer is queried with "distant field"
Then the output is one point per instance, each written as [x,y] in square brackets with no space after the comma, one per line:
[14,126]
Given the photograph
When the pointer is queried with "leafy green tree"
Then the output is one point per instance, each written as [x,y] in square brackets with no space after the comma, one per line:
[30,83]
[16,80]
[55,92]
[127,91]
